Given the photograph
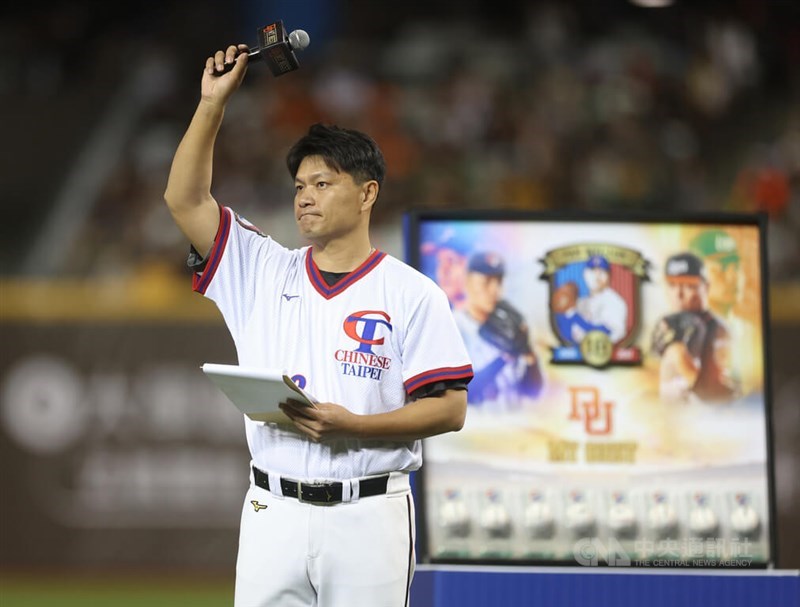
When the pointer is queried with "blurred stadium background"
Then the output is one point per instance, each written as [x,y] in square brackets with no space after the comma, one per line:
[122,478]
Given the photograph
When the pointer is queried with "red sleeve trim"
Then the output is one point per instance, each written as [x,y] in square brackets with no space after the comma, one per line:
[434,375]
[200,282]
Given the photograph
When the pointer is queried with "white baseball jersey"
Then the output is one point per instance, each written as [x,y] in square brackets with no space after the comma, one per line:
[606,308]
[365,343]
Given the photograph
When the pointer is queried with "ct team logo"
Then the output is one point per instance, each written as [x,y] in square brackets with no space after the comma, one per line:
[363,326]
[595,303]
[368,328]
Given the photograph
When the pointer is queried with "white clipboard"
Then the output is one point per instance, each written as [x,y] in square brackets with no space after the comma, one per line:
[256,391]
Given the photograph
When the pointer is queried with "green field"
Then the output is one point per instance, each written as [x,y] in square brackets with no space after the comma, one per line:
[115,592]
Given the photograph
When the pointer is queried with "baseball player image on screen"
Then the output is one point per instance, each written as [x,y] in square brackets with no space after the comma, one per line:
[497,339]
[601,309]
[693,342]
[726,285]
[445,257]
[328,519]
[603,306]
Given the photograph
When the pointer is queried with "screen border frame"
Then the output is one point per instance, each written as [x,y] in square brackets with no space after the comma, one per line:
[412,222]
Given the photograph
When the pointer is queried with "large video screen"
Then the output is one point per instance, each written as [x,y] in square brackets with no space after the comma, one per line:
[619,411]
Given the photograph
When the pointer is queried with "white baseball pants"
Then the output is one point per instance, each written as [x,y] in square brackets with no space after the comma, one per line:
[352,554]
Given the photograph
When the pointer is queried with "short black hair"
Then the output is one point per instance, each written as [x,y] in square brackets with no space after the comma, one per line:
[345,150]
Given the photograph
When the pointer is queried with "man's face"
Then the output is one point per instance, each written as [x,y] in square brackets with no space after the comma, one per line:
[687,294]
[483,292]
[725,283]
[327,203]
[596,279]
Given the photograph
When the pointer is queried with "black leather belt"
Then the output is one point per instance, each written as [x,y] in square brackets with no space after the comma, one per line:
[323,493]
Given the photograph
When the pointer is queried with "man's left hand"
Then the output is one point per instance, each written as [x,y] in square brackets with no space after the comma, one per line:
[322,421]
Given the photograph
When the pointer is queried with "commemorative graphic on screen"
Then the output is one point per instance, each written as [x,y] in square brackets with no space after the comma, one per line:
[618,413]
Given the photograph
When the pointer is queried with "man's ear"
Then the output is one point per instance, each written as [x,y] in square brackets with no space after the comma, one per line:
[369,194]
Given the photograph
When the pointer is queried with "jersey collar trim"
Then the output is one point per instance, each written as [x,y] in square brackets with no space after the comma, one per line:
[200,282]
[327,292]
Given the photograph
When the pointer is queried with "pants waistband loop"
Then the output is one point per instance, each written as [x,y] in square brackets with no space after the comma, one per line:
[346,492]
[275,485]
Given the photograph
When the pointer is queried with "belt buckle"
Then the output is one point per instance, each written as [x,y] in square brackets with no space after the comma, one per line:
[325,486]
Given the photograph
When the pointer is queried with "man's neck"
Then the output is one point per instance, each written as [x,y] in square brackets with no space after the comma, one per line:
[337,256]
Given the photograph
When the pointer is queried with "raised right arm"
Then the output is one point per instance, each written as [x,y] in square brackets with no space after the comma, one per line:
[188,193]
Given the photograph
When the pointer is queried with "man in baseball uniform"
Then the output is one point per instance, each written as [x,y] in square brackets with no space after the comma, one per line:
[497,339]
[328,519]
[603,306]
[693,343]
[722,260]
[720,255]
[445,257]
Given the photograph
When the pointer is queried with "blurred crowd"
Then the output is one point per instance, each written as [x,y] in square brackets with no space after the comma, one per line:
[554,109]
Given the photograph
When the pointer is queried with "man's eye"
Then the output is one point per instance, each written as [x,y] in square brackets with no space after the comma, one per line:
[298,187]
[322,184]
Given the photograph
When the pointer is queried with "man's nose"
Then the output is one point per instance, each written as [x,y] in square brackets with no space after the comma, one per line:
[305,199]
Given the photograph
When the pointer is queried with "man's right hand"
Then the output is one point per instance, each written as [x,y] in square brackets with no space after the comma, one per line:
[218,85]
[188,193]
